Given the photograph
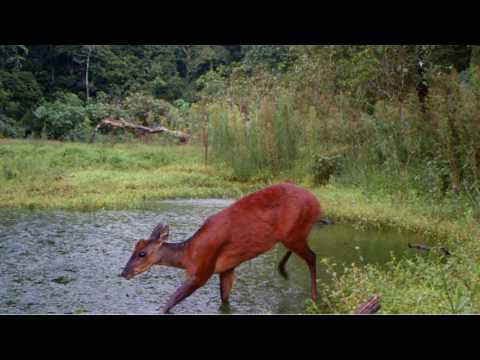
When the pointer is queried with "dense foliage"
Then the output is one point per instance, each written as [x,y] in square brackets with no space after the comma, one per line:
[396,119]
[33,76]
[268,110]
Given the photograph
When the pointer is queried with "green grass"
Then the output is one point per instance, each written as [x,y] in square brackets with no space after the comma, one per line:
[50,175]
[440,221]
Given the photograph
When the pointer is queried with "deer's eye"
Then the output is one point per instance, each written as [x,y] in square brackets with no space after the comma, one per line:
[142,254]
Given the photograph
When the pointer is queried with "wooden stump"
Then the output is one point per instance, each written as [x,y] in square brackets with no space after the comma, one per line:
[371,307]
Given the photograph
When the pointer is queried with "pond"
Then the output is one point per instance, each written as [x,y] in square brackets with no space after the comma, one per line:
[68,263]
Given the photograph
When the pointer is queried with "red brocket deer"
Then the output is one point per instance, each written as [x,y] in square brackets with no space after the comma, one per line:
[282,213]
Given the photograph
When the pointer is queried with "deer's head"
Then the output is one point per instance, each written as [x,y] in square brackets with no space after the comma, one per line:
[146,253]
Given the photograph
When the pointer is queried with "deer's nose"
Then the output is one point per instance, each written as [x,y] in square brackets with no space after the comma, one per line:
[127,274]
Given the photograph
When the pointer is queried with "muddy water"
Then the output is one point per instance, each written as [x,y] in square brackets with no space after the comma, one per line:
[68,263]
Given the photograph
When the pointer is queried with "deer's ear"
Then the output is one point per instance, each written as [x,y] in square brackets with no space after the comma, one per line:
[160,233]
[141,245]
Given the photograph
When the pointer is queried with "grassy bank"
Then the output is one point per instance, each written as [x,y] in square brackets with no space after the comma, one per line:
[49,175]
[428,284]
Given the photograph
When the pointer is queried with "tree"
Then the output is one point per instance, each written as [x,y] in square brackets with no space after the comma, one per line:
[83,56]
[196,60]
[12,56]
[271,56]
[475,61]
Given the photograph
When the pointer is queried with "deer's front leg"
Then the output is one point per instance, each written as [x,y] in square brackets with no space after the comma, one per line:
[183,292]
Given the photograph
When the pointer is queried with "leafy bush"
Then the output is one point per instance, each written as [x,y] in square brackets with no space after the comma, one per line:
[8,127]
[69,118]
[169,90]
[65,119]
[273,56]
[140,108]
[148,110]
[324,167]
[19,92]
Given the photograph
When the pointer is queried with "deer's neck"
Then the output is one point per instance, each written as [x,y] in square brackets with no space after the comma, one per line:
[173,254]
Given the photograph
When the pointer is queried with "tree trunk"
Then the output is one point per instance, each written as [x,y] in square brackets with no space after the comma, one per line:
[87,86]
[477,165]
[205,143]
[454,157]
[422,85]
[475,61]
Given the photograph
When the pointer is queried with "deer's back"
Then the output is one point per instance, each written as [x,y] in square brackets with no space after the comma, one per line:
[254,224]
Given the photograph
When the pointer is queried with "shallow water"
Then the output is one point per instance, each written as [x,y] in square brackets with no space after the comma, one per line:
[67,263]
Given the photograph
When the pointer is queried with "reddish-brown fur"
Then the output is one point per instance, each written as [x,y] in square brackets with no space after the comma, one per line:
[282,213]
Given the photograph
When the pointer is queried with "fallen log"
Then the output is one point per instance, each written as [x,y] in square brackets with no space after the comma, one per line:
[371,307]
[426,248]
[140,130]
[326,222]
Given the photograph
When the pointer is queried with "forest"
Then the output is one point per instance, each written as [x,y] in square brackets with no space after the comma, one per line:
[386,136]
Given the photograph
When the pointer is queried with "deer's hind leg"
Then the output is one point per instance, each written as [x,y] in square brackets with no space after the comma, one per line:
[299,246]
[226,284]
[282,265]
[311,259]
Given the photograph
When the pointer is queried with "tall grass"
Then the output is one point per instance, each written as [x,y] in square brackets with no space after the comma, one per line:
[272,142]
[398,147]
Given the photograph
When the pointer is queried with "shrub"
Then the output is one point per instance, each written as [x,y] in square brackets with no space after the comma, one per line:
[8,127]
[324,167]
[64,119]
